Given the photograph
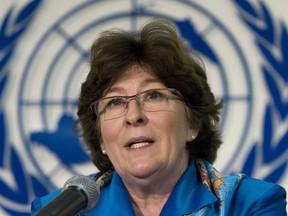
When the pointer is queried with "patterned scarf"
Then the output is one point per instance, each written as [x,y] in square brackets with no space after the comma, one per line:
[220,185]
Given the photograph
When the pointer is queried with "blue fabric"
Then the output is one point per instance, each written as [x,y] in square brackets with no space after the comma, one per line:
[256,197]
[191,197]
[188,195]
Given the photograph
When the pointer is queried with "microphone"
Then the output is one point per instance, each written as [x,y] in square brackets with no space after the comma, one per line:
[79,194]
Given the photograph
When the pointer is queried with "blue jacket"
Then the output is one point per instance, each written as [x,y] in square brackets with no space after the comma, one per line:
[201,190]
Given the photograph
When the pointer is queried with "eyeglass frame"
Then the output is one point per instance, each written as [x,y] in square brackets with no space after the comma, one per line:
[93,105]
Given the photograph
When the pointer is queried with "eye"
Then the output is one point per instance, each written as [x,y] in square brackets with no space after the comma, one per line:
[115,102]
[154,95]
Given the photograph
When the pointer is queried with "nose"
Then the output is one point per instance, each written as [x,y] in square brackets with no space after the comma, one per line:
[134,115]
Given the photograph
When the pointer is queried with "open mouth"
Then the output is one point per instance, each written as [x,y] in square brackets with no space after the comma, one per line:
[139,143]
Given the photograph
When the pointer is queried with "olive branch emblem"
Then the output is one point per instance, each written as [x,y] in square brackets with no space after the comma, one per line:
[271,150]
[272,42]
[27,186]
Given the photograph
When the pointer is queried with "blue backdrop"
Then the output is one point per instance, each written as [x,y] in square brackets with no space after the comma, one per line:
[44,57]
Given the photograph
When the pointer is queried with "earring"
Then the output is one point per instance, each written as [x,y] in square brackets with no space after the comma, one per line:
[193,137]
[104,152]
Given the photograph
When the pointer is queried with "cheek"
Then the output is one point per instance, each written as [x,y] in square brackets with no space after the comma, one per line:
[108,131]
[175,125]
[180,127]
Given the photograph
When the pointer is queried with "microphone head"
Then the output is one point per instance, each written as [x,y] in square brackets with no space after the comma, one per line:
[89,186]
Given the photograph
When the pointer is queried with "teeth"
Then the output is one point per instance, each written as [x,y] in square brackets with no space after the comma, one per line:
[139,145]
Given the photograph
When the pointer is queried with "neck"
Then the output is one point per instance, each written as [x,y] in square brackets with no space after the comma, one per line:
[149,206]
[149,195]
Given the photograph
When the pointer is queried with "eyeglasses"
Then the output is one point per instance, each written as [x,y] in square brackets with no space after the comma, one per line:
[151,100]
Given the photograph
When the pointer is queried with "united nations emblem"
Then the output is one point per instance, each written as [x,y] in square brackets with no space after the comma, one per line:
[57,62]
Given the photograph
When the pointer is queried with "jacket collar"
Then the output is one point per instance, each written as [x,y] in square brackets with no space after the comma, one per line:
[188,196]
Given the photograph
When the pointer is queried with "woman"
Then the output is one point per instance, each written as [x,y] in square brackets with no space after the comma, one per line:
[150,122]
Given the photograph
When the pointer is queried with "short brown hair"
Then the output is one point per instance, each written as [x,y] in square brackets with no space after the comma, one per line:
[159,48]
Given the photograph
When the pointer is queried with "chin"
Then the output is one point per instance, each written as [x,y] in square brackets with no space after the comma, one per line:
[143,171]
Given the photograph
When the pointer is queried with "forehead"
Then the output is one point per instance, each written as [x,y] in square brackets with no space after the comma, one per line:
[136,72]
[135,77]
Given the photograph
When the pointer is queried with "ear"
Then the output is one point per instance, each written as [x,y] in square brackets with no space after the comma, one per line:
[192,134]
[102,146]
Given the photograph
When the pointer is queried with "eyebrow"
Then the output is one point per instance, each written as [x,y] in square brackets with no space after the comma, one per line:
[143,84]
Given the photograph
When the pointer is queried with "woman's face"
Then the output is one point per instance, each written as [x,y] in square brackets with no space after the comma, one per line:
[141,144]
